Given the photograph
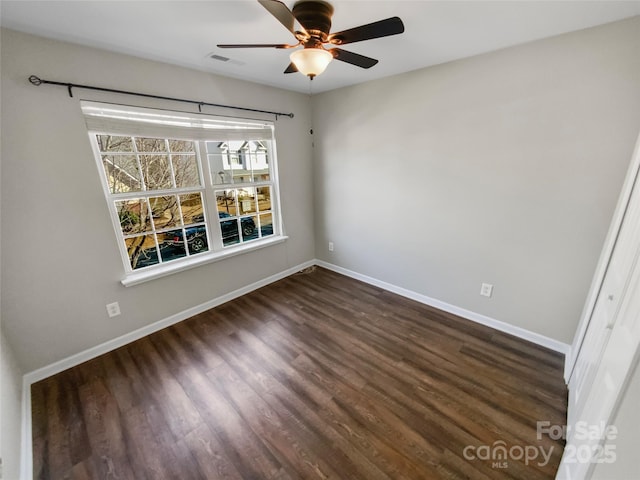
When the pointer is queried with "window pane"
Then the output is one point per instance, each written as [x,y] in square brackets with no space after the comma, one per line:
[122,173]
[249,228]
[234,160]
[266,225]
[192,211]
[185,168]
[264,198]
[134,216]
[142,251]
[259,161]
[219,173]
[261,176]
[219,162]
[151,144]
[242,168]
[247,200]
[172,245]
[229,230]
[226,201]
[216,147]
[181,146]
[112,143]
[242,175]
[156,171]
[165,211]
[197,239]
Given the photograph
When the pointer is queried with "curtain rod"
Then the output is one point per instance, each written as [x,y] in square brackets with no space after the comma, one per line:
[38,81]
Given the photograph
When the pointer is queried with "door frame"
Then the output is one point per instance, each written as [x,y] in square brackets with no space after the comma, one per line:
[603,261]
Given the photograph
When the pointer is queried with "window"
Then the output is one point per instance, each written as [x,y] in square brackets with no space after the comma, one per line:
[184,188]
[240,172]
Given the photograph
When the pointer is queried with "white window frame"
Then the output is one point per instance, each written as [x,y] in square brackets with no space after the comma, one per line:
[122,120]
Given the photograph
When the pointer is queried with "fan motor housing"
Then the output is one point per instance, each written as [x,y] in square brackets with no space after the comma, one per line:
[314,16]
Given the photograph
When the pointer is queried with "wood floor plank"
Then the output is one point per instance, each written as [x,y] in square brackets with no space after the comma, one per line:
[210,455]
[59,448]
[169,395]
[231,430]
[150,459]
[381,452]
[315,376]
[39,429]
[272,429]
[102,416]
[293,407]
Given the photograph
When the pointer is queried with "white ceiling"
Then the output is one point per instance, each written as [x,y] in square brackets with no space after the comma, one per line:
[186,32]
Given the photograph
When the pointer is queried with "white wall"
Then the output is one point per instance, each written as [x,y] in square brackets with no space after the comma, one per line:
[10,411]
[61,264]
[502,168]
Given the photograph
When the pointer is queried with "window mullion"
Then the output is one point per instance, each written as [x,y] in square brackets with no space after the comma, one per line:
[174,184]
[211,208]
[143,183]
[276,216]
[156,193]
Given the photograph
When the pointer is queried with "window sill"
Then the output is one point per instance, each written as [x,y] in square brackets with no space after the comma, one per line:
[152,273]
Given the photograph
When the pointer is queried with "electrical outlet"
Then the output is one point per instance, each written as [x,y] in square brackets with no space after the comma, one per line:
[331,246]
[113,309]
[486,290]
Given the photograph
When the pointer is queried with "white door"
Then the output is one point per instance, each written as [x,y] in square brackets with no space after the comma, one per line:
[608,350]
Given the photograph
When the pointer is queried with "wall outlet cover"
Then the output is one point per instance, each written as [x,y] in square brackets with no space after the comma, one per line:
[486,290]
[113,309]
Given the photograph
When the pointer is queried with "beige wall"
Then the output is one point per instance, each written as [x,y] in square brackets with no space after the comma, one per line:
[10,411]
[61,265]
[502,168]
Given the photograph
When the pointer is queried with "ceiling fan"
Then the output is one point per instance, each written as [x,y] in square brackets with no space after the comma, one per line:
[313,19]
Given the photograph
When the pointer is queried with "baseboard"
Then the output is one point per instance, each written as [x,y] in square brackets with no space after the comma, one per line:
[93,352]
[519,332]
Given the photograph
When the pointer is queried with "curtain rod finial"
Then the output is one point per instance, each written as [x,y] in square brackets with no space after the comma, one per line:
[35,80]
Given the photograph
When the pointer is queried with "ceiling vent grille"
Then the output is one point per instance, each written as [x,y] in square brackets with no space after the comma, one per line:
[223,59]
[220,58]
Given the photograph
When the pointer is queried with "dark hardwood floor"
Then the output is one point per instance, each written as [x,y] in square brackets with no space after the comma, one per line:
[315,376]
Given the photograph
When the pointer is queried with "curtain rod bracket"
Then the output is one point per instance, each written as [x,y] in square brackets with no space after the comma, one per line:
[37,81]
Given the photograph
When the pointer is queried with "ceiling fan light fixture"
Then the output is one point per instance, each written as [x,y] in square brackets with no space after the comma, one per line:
[311,61]
[310,24]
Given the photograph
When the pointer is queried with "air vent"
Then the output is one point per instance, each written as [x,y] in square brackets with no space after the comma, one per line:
[220,58]
[227,60]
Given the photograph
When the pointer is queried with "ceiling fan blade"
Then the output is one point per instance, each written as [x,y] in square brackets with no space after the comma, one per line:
[257,45]
[353,58]
[382,28]
[282,14]
[291,68]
